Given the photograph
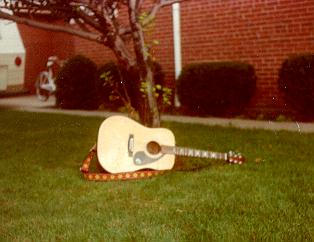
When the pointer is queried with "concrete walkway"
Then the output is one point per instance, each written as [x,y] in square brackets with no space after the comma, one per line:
[32,104]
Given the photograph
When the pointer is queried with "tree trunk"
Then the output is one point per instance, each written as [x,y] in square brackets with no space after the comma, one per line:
[148,108]
[149,113]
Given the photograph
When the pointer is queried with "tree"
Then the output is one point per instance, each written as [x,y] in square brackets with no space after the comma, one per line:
[100,21]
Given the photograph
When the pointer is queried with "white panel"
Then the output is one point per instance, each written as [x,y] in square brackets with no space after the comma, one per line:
[3,77]
[10,39]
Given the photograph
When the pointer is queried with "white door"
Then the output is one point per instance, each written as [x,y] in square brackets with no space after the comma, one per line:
[3,78]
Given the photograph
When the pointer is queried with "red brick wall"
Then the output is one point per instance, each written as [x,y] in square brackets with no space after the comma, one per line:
[100,54]
[39,45]
[260,32]
[62,45]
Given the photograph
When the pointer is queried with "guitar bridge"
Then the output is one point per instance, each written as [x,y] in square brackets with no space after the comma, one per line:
[131,145]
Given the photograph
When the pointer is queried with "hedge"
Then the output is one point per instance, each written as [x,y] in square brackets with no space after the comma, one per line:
[216,88]
[76,84]
[296,81]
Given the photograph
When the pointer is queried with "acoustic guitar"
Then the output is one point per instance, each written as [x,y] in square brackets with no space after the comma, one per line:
[124,145]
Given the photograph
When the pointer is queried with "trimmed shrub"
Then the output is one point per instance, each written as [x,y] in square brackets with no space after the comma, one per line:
[296,81]
[216,88]
[110,75]
[76,84]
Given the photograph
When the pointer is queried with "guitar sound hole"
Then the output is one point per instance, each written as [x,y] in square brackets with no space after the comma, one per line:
[153,148]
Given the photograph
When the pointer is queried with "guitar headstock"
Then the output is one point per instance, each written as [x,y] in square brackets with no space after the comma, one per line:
[235,158]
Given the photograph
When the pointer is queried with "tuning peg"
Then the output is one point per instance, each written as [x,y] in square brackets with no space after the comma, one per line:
[241,159]
[230,157]
[236,156]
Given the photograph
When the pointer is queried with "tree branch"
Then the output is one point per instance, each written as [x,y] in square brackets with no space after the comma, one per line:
[157,6]
[90,21]
[52,27]
[152,14]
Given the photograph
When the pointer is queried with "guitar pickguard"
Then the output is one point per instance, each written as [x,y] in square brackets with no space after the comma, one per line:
[140,158]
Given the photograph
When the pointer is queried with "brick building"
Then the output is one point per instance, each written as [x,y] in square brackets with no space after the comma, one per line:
[260,32]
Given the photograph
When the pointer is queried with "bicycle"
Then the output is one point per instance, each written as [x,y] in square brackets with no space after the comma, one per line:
[45,84]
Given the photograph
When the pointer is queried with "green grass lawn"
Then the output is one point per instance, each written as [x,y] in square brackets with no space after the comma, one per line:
[44,198]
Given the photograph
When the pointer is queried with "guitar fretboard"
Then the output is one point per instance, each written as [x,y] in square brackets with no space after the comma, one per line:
[183,151]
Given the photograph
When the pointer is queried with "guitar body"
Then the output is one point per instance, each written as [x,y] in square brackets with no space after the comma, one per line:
[122,146]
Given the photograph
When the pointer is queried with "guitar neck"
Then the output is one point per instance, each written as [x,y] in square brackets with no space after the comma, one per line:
[184,151]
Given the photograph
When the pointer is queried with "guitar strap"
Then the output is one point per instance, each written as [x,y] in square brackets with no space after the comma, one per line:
[103,176]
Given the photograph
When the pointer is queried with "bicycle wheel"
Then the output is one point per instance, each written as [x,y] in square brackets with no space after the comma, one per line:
[42,80]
